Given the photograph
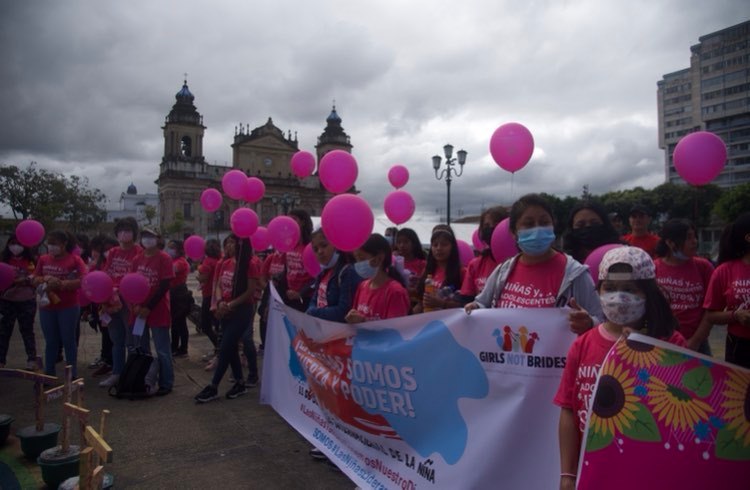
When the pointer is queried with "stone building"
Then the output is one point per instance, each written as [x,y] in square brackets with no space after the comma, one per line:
[262,152]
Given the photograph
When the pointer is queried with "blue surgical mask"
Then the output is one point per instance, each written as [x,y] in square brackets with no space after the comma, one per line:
[536,241]
[677,254]
[365,270]
[332,262]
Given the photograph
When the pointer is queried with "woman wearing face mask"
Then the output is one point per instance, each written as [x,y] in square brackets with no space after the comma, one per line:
[443,270]
[298,281]
[180,299]
[334,288]
[482,266]
[18,302]
[632,301]
[382,294]
[684,279]
[540,276]
[156,266]
[409,247]
[588,228]
[119,262]
[59,274]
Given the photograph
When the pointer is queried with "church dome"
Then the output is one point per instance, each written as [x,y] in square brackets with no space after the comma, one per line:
[131,189]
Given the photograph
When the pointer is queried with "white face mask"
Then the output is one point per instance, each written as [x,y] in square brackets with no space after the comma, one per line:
[15,249]
[172,252]
[332,262]
[125,236]
[148,242]
[622,308]
[53,249]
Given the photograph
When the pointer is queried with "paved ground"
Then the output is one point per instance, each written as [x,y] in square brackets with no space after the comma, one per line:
[171,442]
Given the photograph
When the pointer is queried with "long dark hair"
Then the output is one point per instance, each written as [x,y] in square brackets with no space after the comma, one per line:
[497,213]
[452,267]
[243,253]
[27,253]
[377,244]
[733,245]
[306,227]
[64,237]
[574,246]
[416,245]
[675,230]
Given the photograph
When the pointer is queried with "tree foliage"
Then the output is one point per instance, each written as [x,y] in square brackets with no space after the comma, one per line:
[733,203]
[46,196]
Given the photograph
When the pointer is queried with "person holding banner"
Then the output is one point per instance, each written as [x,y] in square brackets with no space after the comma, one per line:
[728,296]
[444,270]
[481,267]
[684,278]
[540,276]
[382,294]
[632,302]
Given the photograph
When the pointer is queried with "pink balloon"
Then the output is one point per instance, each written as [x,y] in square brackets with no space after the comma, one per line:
[260,239]
[399,206]
[503,244]
[254,189]
[234,183]
[134,287]
[595,257]
[244,222]
[347,221]
[195,247]
[97,286]
[465,252]
[211,200]
[479,245]
[29,233]
[398,176]
[338,171]
[7,275]
[284,233]
[511,146]
[310,261]
[699,157]
[303,164]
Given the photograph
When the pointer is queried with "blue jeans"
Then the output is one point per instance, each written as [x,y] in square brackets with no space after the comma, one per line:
[248,347]
[59,328]
[119,333]
[163,346]
[233,328]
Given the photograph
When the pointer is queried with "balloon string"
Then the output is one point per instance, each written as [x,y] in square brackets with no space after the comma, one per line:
[512,195]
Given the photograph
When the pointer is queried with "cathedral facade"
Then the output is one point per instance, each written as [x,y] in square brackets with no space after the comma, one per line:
[263,152]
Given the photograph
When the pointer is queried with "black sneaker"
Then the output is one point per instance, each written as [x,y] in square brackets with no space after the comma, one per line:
[209,393]
[252,381]
[236,391]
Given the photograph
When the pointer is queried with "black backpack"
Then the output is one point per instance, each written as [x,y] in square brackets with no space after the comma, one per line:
[132,382]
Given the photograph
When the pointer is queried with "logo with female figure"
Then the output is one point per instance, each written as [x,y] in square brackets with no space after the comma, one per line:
[521,341]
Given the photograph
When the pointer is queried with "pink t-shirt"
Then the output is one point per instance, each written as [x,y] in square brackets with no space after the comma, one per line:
[477,272]
[273,265]
[533,285]
[685,287]
[64,268]
[438,277]
[388,301]
[207,268]
[181,268]
[729,289]
[647,242]
[156,268]
[120,262]
[225,276]
[415,266]
[323,288]
[582,366]
[296,275]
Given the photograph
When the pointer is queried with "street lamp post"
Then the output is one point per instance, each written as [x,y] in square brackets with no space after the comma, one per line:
[449,171]
[286,201]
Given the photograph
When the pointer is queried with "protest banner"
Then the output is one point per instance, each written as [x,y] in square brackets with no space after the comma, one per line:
[438,400]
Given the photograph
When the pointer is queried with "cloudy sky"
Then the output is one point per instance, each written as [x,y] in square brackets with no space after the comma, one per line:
[85,85]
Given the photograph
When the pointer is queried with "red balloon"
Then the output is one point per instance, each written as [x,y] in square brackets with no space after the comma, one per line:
[260,239]
[700,157]
[398,176]
[244,222]
[465,252]
[511,146]
[254,190]
[595,257]
[399,206]
[310,261]
[479,245]
[195,247]
[211,200]
[134,287]
[302,163]
[284,233]
[503,244]
[337,171]
[30,233]
[347,221]
[234,184]
[7,275]
[97,286]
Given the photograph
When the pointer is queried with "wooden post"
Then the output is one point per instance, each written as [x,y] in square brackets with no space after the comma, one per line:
[97,479]
[100,445]
[102,422]
[39,406]
[66,399]
[39,381]
[86,468]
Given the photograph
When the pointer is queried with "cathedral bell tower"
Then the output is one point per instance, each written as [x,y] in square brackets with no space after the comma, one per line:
[333,137]
[183,133]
